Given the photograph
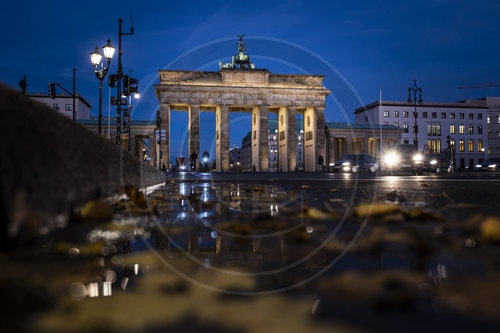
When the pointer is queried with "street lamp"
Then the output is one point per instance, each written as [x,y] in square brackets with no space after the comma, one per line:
[415,89]
[100,73]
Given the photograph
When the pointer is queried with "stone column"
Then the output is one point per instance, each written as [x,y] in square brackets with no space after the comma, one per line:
[331,151]
[152,149]
[309,146]
[349,145]
[365,146]
[222,138]
[194,133]
[287,138]
[260,142]
[164,134]
[320,139]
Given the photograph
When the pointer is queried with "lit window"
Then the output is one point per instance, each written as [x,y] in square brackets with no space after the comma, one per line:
[480,145]
[386,114]
[471,129]
[452,129]
[68,107]
[488,119]
[452,115]
[405,127]
[405,114]
[452,144]
[461,129]
[471,145]
[396,114]
[498,119]
[462,145]
[434,146]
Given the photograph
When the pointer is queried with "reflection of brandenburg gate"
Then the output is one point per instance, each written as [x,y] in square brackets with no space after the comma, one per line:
[247,90]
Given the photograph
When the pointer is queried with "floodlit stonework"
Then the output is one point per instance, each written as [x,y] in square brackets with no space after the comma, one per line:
[247,90]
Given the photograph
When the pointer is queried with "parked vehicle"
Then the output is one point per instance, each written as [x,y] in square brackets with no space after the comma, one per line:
[491,164]
[437,162]
[355,163]
[403,157]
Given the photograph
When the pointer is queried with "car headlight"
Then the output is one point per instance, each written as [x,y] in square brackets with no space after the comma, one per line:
[346,163]
[391,159]
[418,157]
[433,162]
[492,165]
[478,165]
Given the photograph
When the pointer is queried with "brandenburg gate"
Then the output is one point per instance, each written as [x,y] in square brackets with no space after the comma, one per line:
[246,89]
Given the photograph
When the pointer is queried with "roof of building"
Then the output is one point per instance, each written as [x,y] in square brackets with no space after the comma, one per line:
[113,122]
[342,125]
[77,95]
[424,104]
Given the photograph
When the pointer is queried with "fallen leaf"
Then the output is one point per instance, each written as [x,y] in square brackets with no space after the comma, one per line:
[376,209]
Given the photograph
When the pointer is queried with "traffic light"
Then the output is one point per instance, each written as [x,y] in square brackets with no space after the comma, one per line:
[113,80]
[130,85]
[52,90]
[133,85]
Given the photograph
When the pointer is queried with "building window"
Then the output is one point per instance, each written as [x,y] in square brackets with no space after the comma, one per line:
[415,128]
[55,106]
[424,114]
[434,115]
[366,119]
[480,145]
[434,130]
[479,129]
[471,115]
[452,144]
[396,114]
[452,115]
[405,114]
[462,115]
[452,129]
[443,115]
[479,116]
[490,134]
[434,146]
[498,119]
[405,127]
[461,145]
[405,142]
[68,107]
[471,129]
[461,129]
[396,124]
[415,114]
[386,114]
[471,145]
[488,119]
[489,149]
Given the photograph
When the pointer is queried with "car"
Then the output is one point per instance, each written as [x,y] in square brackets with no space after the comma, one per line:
[355,163]
[437,162]
[491,164]
[403,157]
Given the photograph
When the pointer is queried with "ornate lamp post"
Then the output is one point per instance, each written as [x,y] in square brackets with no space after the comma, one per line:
[100,73]
[414,90]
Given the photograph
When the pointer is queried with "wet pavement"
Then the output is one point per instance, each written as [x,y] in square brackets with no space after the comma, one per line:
[255,252]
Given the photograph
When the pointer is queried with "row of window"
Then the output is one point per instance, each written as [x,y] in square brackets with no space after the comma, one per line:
[434,115]
[470,129]
[461,145]
[488,119]
[67,107]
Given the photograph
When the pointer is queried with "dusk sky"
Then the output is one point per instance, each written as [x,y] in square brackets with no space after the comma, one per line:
[360,47]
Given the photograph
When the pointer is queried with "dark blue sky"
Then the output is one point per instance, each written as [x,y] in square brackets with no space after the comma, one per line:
[360,46]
